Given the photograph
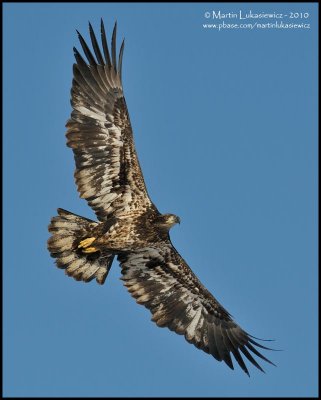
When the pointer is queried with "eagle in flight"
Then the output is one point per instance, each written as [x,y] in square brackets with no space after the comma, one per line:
[109,177]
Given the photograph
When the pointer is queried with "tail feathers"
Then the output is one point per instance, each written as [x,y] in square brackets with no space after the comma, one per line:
[67,230]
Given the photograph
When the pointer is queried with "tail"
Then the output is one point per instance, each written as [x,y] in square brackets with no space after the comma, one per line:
[68,230]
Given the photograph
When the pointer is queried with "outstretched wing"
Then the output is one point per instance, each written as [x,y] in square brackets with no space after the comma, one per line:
[108,174]
[160,279]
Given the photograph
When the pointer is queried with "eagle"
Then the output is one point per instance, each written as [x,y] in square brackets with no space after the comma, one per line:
[130,227]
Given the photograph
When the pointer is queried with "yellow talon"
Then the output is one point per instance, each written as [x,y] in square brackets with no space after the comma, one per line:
[86,243]
[90,250]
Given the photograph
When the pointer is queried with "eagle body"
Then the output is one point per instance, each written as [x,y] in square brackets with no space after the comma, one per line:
[130,227]
[130,231]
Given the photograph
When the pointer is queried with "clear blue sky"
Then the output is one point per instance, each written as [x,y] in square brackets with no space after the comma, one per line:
[225,127]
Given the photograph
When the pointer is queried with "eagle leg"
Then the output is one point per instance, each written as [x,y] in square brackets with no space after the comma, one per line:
[90,250]
[86,243]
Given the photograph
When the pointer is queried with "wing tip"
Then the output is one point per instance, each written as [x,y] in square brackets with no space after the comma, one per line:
[257,338]
[112,59]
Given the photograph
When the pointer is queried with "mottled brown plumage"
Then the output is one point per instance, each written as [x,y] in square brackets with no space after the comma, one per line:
[109,177]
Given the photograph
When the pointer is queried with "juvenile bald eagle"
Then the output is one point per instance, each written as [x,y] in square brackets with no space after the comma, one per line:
[109,177]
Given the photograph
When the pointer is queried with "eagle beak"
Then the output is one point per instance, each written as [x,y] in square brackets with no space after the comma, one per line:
[179,220]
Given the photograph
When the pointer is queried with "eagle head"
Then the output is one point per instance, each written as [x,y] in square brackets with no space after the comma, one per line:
[166,221]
